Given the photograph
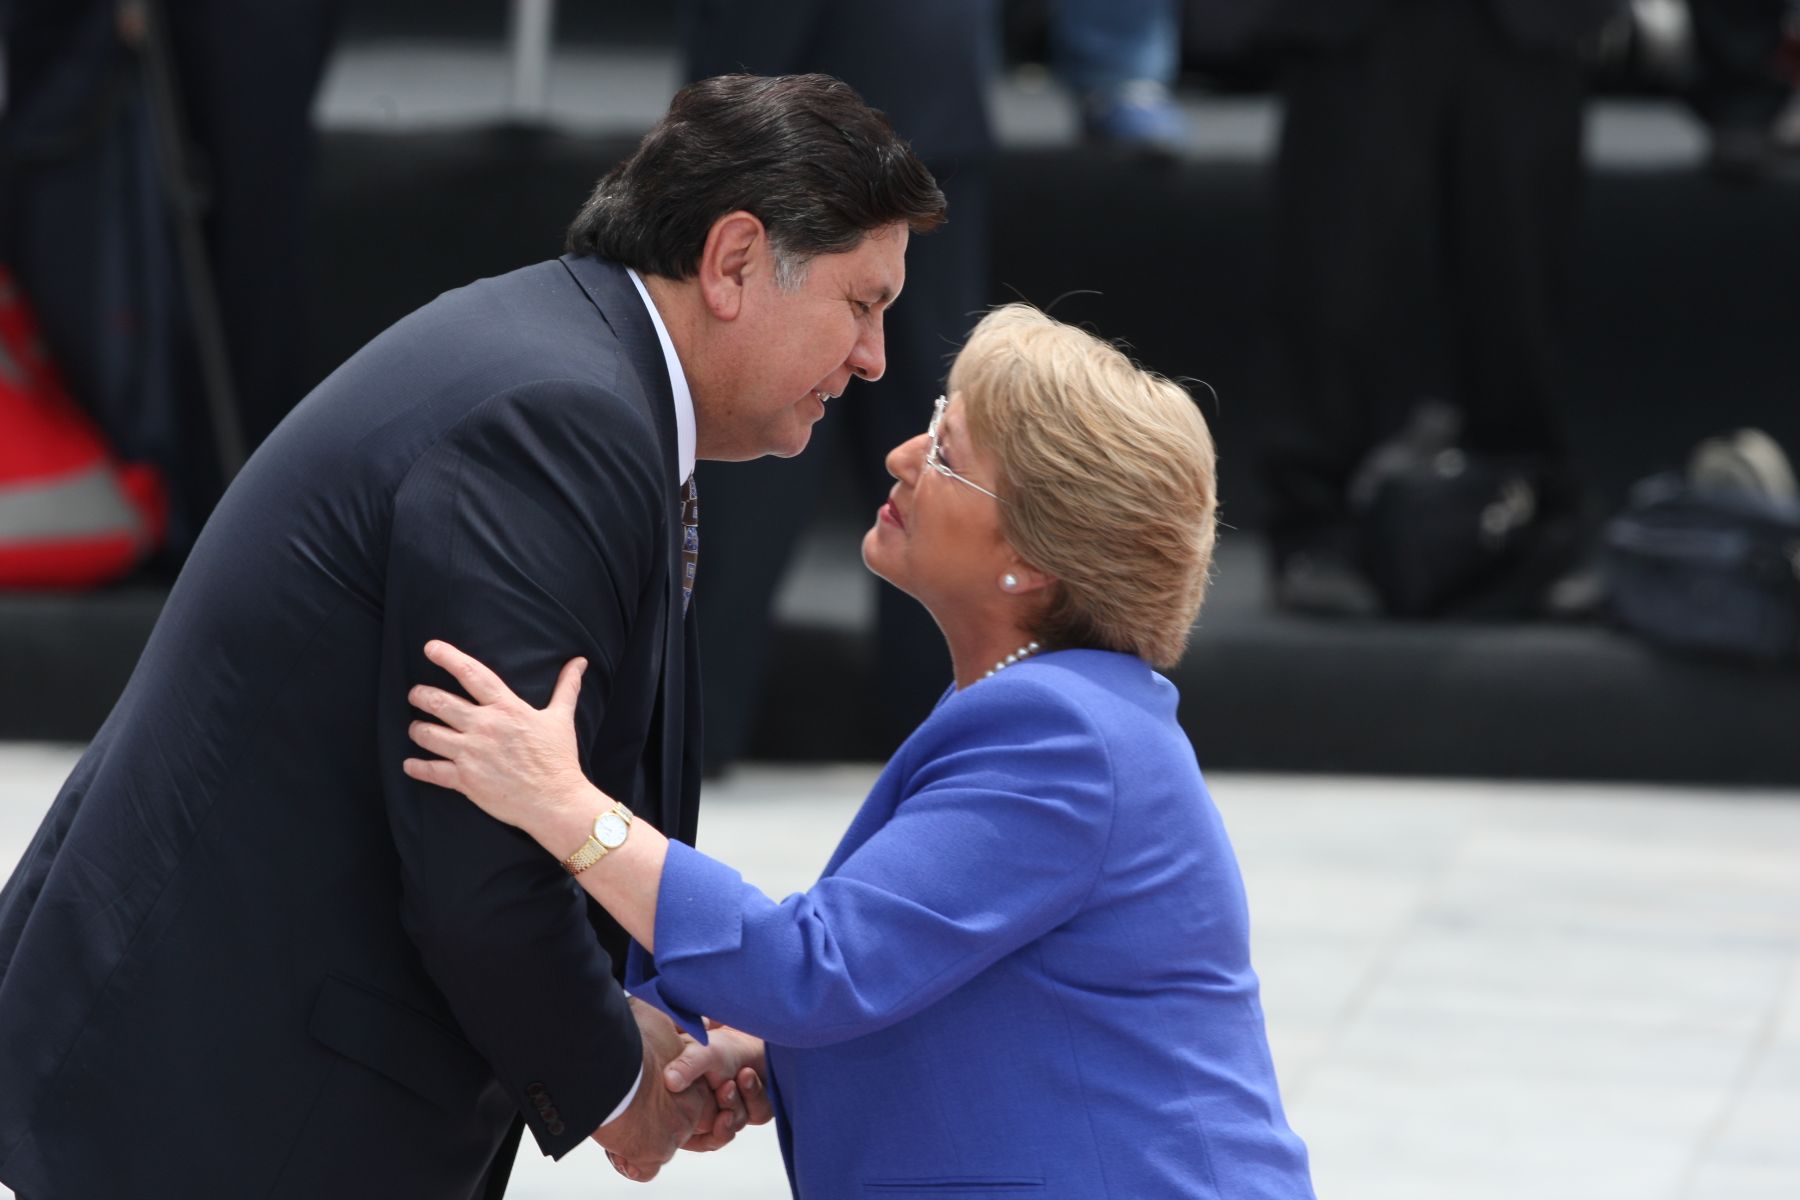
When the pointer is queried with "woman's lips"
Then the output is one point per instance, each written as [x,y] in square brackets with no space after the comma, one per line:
[890,513]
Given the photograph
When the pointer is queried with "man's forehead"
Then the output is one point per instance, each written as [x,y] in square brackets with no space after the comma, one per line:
[877,266]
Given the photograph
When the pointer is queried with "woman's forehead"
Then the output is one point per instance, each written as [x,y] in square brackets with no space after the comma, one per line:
[952,423]
[959,406]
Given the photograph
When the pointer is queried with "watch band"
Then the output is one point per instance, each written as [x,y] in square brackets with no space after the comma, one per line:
[593,850]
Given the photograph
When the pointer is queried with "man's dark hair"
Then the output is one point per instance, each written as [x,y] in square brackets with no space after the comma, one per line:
[803,153]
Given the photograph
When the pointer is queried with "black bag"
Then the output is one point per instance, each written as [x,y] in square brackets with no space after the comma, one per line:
[1444,531]
[1707,570]
[1437,537]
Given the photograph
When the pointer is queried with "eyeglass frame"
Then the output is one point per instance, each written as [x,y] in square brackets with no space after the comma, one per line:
[936,463]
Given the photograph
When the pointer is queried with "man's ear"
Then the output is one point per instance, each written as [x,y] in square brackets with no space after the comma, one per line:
[736,246]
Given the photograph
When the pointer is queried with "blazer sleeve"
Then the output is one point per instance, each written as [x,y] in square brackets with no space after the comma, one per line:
[526,536]
[999,838]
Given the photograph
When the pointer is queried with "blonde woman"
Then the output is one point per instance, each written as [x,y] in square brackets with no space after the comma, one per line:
[1026,970]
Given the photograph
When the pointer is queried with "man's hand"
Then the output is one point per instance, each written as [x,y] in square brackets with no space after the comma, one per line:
[658,1121]
[732,1065]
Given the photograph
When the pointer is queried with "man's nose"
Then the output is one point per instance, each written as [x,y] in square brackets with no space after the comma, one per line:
[868,358]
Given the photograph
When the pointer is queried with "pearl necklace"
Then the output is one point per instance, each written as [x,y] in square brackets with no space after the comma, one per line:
[1025,651]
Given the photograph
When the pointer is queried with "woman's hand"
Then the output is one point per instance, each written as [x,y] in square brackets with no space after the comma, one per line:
[733,1064]
[517,762]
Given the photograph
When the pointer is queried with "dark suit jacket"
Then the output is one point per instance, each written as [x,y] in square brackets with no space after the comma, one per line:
[245,955]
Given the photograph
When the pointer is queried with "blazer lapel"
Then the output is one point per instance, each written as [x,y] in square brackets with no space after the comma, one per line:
[616,298]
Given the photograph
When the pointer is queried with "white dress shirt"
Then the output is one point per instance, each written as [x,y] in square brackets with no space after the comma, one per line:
[684,399]
[684,453]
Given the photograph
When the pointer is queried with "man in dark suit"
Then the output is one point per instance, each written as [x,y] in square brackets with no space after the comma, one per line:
[245,954]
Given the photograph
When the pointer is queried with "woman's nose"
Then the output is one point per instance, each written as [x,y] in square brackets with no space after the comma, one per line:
[905,460]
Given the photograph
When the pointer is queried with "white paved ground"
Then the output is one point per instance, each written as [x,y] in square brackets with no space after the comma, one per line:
[1474,990]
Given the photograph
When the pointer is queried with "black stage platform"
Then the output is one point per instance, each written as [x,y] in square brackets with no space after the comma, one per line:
[1686,321]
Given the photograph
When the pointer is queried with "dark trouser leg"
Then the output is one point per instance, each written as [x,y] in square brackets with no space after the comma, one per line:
[1356,204]
[500,1170]
[752,516]
[1514,166]
[249,73]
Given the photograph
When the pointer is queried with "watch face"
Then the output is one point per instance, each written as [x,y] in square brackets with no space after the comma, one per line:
[610,829]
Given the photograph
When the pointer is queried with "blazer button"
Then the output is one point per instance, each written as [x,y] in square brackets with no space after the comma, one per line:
[534,1089]
[555,1128]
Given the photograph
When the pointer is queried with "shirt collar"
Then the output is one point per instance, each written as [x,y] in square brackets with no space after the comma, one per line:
[678,384]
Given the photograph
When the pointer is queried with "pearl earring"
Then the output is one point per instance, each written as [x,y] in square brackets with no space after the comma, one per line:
[1009,581]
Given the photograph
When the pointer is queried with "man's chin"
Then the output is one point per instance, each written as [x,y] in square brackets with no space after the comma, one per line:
[786,448]
[784,442]
[794,443]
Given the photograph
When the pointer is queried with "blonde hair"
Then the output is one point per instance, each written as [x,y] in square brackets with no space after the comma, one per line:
[1109,478]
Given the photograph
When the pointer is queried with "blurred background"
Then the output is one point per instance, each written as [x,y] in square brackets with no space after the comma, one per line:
[1493,305]
[1449,280]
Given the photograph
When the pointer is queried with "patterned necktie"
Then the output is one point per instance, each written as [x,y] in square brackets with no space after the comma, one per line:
[690,541]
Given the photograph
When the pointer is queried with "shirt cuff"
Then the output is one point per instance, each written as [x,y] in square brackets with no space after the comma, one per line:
[626,1102]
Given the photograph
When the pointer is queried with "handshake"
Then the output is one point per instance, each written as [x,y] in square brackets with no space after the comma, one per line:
[693,1097]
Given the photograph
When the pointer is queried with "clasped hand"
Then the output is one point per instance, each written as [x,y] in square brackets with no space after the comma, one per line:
[693,1097]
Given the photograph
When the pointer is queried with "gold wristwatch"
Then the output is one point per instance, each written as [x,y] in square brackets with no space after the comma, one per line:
[610,831]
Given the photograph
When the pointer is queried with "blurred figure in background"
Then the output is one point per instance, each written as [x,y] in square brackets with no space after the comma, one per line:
[85,218]
[927,65]
[1420,138]
[1739,86]
[1121,59]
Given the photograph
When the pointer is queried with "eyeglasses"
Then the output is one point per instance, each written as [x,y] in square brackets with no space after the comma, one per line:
[935,461]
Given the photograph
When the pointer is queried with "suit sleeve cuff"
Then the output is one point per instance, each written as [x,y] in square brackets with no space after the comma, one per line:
[624,1104]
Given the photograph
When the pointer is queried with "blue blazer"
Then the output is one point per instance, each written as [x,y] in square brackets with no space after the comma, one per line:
[1024,972]
[245,955]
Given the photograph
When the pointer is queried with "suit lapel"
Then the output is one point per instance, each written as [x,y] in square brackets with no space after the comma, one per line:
[615,297]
